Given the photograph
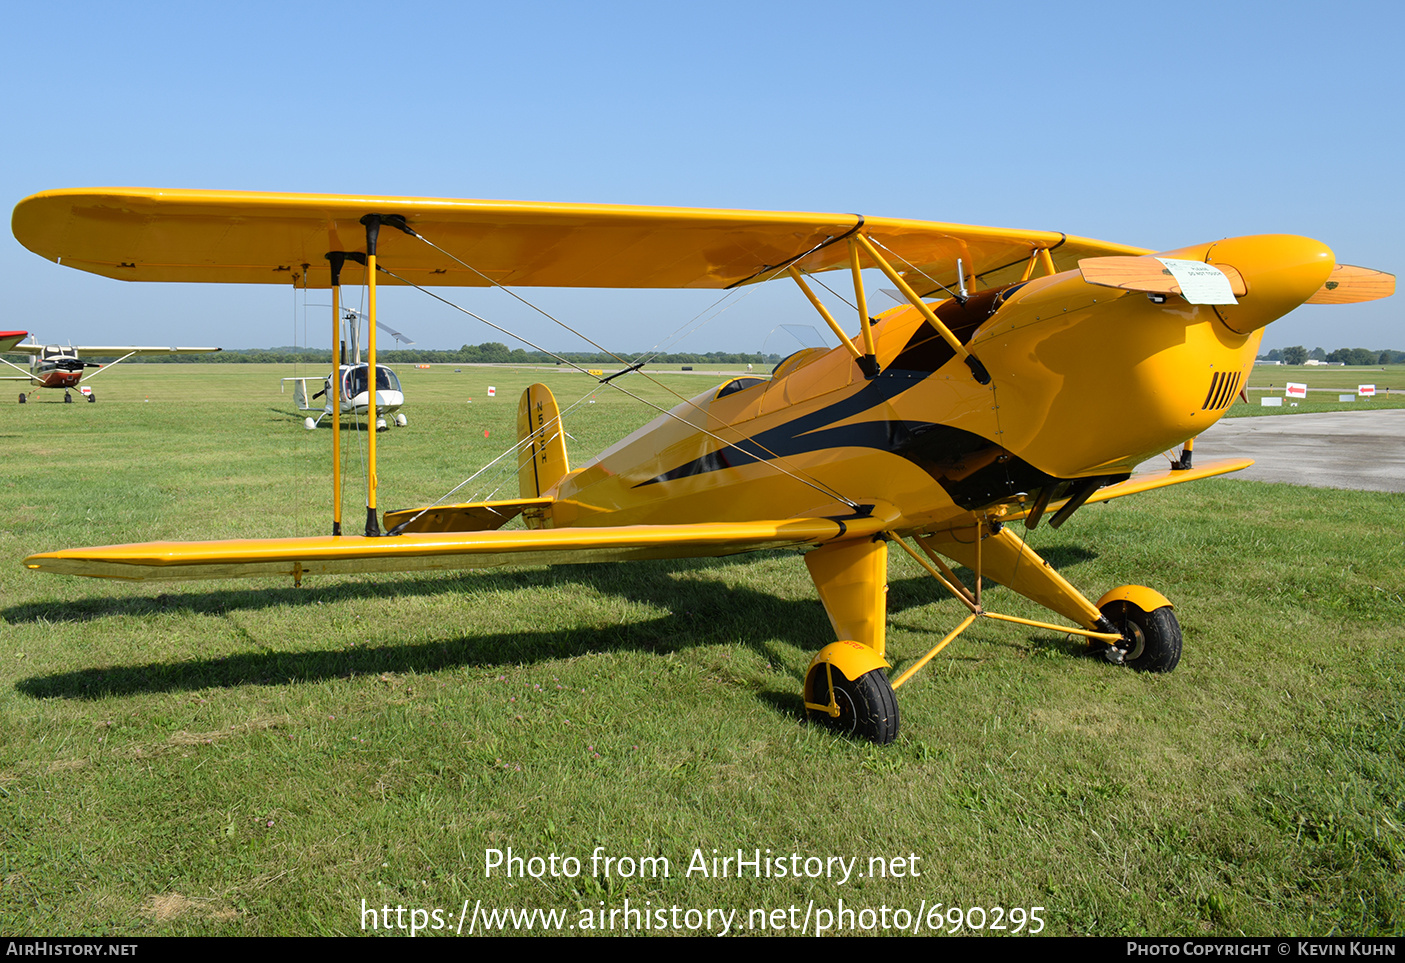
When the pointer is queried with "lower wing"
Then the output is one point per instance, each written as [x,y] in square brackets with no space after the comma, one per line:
[334,555]
[1149,481]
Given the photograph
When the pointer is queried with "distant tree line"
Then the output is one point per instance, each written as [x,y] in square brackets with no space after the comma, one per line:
[491,352]
[1298,354]
[494,352]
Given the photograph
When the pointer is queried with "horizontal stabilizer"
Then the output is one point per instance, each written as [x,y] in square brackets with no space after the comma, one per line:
[337,555]
[465,517]
[1149,481]
[1349,284]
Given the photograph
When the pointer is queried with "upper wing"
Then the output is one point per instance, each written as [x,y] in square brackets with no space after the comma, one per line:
[1147,481]
[130,349]
[230,236]
[101,350]
[329,554]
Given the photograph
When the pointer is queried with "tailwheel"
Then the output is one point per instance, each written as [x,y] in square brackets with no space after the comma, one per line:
[864,706]
[1151,640]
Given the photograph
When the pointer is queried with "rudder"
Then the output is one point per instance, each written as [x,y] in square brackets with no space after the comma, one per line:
[542,461]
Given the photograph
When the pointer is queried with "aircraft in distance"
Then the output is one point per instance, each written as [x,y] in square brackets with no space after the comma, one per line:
[1026,375]
[352,383]
[59,366]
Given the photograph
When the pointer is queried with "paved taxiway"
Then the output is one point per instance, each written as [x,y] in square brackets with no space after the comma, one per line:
[1348,449]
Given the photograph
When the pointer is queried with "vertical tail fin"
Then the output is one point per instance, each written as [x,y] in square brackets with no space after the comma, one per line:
[542,462]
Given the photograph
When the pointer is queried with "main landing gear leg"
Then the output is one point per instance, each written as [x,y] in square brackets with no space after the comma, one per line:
[846,686]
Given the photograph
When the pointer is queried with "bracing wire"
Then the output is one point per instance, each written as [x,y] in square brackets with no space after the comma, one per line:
[730,298]
[363,446]
[915,269]
[769,274]
[511,293]
[556,424]
[831,290]
[811,482]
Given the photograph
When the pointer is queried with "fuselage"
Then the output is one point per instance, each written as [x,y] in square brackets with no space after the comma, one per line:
[1086,382]
[56,366]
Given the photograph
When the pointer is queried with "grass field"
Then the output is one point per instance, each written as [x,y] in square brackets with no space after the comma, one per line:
[248,758]
[1344,378]
[1325,385]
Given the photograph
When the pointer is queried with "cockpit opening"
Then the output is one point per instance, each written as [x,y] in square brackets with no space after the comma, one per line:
[355,380]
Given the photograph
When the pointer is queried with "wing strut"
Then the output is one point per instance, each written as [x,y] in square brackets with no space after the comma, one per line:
[867,362]
[29,375]
[867,359]
[336,390]
[861,301]
[373,224]
[104,367]
[972,362]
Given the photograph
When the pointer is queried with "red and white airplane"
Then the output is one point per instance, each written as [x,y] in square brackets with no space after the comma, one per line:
[58,366]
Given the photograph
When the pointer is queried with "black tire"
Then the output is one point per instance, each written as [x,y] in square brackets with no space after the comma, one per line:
[92,397]
[868,707]
[1153,639]
[22,398]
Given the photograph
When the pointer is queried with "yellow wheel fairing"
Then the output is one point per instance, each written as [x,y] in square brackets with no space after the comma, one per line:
[1146,599]
[825,694]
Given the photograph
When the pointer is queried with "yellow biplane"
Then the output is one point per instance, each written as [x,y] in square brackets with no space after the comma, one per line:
[1026,374]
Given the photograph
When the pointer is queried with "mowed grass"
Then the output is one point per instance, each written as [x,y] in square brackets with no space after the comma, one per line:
[250,758]
[1390,377]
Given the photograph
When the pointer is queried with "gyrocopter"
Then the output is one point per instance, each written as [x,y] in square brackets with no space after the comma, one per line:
[1025,375]
[346,389]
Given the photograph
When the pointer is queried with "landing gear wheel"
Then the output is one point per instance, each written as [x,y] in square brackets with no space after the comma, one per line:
[1151,640]
[92,398]
[22,398]
[401,421]
[868,708]
[67,398]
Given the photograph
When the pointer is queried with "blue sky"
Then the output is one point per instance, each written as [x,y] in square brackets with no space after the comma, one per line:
[1159,125]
